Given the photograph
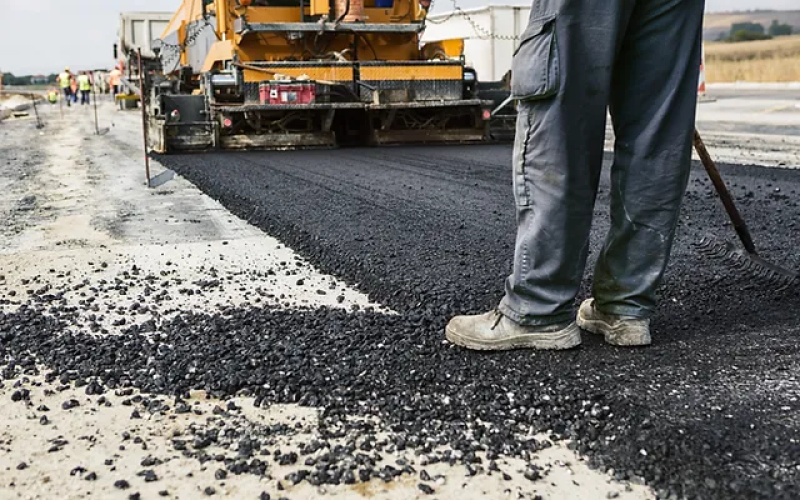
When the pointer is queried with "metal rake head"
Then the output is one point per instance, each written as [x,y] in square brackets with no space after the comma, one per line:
[749,263]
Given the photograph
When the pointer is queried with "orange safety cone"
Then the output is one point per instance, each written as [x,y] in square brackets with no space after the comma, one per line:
[701,86]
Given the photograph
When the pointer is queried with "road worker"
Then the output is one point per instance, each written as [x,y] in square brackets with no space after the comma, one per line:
[74,87]
[52,96]
[114,80]
[65,82]
[639,59]
[85,86]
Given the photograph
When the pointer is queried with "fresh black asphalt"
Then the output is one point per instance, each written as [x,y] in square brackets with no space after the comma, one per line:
[709,411]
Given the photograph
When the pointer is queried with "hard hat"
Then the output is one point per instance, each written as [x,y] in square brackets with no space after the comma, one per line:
[66,69]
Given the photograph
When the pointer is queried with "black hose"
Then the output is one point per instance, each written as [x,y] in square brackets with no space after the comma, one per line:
[346,11]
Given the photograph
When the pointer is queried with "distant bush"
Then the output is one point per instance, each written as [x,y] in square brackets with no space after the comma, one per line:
[747,32]
[747,26]
[778,29]
[747,36]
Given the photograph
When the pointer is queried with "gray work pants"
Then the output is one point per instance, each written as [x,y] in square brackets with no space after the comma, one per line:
[640,59]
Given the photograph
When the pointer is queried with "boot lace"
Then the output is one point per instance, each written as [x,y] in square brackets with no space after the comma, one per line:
[498,319]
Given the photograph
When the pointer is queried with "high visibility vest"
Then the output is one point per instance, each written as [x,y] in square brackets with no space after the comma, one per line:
[114,77]
[84,82]
[52,96]
[64,80]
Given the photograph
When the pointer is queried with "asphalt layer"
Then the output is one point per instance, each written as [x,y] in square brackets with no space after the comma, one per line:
[709,411]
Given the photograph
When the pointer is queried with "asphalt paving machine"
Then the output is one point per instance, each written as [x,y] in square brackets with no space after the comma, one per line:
[276,74]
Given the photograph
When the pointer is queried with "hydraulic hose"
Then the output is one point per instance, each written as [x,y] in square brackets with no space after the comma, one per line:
[346,11]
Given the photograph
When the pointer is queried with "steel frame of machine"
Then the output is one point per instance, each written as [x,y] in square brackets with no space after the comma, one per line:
[318,74]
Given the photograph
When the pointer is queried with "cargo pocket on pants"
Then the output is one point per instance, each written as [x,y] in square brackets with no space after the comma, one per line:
[535,68]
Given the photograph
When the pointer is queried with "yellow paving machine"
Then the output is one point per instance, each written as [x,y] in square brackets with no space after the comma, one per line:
[276,74]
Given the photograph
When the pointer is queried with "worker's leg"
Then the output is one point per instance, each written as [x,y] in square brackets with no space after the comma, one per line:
[558,152]
[652,105]
[68,97]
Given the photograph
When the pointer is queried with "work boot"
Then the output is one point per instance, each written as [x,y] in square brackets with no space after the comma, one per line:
[494,332]
[617,330]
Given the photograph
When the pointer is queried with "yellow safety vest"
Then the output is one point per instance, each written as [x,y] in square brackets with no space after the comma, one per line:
[64,80]
[84,82]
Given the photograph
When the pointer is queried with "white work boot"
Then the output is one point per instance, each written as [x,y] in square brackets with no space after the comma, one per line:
[494,332]
[617,330]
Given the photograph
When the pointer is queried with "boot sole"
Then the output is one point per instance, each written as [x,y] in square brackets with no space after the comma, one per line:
[613,336]
[567,338]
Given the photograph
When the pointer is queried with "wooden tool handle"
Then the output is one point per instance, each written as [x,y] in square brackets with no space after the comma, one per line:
[724,194]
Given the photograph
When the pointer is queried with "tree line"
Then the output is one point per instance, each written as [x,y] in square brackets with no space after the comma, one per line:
[747,31]
[12,79]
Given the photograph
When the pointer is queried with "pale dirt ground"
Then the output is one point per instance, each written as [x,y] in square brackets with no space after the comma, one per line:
[9,103]
[748,125]
[748,129]
[77,211]
[95,442]
[85,214]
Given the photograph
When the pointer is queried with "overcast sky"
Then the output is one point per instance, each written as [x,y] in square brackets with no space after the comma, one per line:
[43,36]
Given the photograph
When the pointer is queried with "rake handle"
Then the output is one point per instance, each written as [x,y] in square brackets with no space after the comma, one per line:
[725,195]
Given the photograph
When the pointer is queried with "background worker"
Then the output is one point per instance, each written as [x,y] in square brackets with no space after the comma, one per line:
[74,87]
[114,80]
[65,82]
[52,96]
[85,86]
[640,59]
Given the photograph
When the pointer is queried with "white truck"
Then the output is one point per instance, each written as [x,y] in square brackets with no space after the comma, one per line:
[137,30]
[490,34]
